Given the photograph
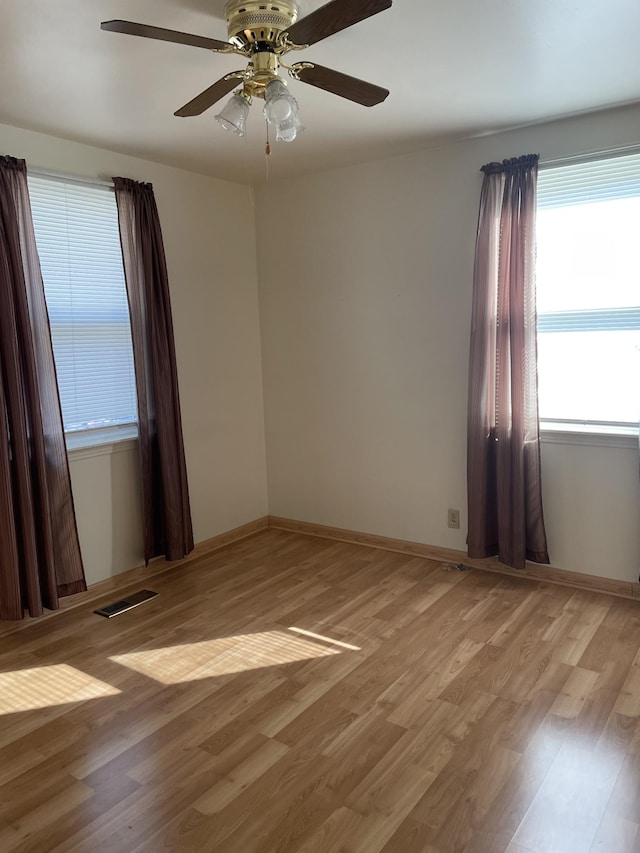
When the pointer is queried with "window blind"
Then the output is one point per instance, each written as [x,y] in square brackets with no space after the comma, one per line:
[77,236]
[594,180]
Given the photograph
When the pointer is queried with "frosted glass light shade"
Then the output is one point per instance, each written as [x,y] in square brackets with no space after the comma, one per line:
[233,116]
[287,131]
[279,103]
[281,110]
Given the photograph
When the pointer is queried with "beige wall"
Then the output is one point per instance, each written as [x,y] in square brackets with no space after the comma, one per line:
[209,239]
[365,293]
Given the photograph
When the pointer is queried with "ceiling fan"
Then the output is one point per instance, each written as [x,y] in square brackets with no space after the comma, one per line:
[263,32]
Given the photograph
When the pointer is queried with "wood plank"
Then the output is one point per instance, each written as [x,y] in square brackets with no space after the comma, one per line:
[628,702]
[570,805]
[240,777]
[411,709]
[623,836]
[574,693]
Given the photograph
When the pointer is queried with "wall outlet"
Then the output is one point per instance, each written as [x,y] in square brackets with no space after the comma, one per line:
[453,519]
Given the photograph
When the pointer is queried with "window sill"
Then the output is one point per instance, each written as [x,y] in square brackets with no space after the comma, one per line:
[591,436]
[101,442]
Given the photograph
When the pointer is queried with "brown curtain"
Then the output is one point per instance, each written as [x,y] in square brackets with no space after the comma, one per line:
[40,557]
[165,493]
[503,450]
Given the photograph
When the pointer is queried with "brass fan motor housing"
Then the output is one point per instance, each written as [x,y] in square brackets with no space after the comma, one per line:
[263,68]
[251,21]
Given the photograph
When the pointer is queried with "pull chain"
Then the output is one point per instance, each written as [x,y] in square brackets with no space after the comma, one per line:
[267,152]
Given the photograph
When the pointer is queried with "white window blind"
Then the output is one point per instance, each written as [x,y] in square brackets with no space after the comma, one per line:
[76,227]
[588,284]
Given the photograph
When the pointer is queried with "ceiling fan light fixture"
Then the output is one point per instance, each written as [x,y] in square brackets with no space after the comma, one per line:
[233,116]
[262,32]
[281,110]
[279,102]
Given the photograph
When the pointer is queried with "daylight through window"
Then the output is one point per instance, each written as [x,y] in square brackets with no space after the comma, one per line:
[76,227]
[588,282]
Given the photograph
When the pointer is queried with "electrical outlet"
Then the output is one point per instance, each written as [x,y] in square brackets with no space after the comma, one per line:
[453,519]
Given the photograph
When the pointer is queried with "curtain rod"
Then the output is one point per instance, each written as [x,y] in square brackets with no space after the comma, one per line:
[586,156]
[72,179]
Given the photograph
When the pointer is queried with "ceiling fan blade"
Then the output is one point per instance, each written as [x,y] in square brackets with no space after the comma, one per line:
[132,29]
[340,84]
[209,97]
[334,17]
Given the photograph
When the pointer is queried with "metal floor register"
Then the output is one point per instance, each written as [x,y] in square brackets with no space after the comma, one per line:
[128,603]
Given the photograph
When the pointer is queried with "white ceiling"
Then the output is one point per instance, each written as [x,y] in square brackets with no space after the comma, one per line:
[455,68]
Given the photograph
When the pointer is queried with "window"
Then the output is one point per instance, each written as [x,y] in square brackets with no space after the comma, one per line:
[588,281]
[77,235]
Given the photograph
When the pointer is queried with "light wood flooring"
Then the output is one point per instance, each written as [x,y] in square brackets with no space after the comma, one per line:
[299,695]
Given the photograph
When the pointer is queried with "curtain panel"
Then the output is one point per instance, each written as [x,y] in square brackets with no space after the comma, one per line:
[165,494]
[40,559]
[503,443]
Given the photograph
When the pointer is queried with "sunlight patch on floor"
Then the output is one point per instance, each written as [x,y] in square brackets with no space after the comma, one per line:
[326,639]
[222,656]
[45,686]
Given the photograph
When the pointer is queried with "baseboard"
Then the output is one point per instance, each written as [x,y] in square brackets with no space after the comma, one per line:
[122,582]
[533,571]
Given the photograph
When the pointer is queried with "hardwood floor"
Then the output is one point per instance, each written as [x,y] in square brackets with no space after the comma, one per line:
[304,696]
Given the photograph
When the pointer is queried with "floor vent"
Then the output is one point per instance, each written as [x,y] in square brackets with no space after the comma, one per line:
[128,603]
